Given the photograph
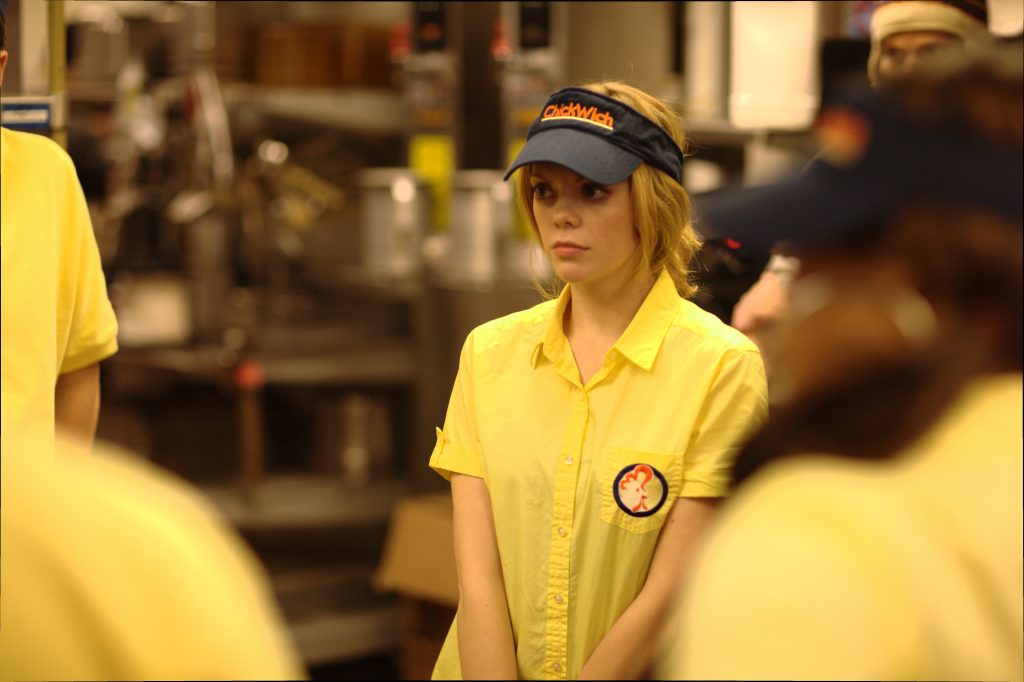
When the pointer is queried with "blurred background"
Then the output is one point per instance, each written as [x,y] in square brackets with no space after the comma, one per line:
[300,213]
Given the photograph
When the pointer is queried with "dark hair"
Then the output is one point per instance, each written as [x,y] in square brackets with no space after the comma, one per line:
[966,260]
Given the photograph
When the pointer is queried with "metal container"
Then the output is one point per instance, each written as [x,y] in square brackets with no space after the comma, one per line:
[395,212]
[354,438]
[481,226]
[208,271]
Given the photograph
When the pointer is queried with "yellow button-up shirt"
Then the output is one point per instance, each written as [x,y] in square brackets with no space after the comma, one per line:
[582,477]
[54,310]
[830,568]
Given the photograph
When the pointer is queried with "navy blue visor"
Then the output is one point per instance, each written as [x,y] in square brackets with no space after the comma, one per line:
[598,138]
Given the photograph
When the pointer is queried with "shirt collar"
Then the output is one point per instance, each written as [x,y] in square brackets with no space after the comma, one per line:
[643,337]
[553,345]
[640,342]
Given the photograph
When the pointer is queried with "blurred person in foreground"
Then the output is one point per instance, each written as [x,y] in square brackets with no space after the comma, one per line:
[875,531]
[113,569]
[906,35]
[57,321]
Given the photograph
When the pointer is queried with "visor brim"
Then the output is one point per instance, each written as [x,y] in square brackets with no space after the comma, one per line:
[585,154]
[803,211]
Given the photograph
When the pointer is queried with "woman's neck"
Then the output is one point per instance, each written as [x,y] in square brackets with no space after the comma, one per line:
[602,310]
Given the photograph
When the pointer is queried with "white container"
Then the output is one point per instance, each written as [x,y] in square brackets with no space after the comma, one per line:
[481,225]
[707,56]
[701,175]
[395,211]
[774,64]
[1005,17]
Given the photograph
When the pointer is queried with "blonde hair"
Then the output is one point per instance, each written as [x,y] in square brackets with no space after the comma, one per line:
[661,206]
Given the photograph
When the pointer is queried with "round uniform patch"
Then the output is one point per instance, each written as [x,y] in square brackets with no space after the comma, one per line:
[640,490]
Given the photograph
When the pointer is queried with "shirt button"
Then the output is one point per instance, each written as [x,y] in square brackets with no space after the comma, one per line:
[568,460]
[561,531]
[556,666]
[558,599]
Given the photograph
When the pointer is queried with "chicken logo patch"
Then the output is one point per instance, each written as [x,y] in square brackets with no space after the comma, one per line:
[640,490]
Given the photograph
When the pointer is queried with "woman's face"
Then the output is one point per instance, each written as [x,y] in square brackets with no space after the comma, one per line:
[586,229]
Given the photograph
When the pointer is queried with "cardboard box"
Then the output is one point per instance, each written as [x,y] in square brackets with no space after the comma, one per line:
[419,552]
[418,563]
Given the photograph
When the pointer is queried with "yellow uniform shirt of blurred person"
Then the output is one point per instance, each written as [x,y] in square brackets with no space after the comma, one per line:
[832,569]
[581,478]
[112,569]
[56,317]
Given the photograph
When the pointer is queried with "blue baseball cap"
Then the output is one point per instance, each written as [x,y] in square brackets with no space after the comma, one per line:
[597,137]
[873,159]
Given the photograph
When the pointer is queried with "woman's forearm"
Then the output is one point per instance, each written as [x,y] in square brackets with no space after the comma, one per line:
[486,647]
[628,647]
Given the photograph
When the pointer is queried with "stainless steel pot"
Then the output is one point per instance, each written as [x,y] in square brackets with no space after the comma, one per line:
[395,212]
[481,226]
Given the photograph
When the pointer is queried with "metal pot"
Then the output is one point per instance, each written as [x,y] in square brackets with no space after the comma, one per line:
[395,213]
[481,226]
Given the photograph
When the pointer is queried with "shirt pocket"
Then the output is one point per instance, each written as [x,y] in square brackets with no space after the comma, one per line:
[638,488]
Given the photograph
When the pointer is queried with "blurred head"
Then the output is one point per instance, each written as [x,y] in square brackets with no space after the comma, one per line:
[640,145]
[907,33]
[3,44]
[908,229]
[906,296]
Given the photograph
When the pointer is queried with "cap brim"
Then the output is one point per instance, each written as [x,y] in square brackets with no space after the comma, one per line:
[583,153]
[804,211]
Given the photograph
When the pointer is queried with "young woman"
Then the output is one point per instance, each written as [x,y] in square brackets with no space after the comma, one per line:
[588,438]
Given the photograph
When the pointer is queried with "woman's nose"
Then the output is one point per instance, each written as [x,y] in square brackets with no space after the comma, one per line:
[566,214]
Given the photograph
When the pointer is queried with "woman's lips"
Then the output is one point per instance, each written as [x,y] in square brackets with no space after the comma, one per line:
[567,248]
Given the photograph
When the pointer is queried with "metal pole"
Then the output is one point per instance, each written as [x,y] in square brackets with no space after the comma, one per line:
[57,72]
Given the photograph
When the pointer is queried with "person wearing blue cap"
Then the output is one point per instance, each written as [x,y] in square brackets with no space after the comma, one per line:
[587,438]
[905,36]
[876,531]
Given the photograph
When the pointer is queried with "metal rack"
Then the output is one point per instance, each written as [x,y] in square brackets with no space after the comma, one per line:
[373,111]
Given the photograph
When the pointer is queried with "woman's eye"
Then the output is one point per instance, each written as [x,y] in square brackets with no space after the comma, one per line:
[592,191]
[541,190]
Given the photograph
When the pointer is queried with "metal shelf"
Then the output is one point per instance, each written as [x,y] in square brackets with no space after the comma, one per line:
[722,132]
[382,363]
[345,636]
[306,501]
[334,613]
[369,110]
[356,281]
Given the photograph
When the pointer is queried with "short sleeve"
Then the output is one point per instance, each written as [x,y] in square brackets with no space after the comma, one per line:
[85,312]
[736,405]
[457,450]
